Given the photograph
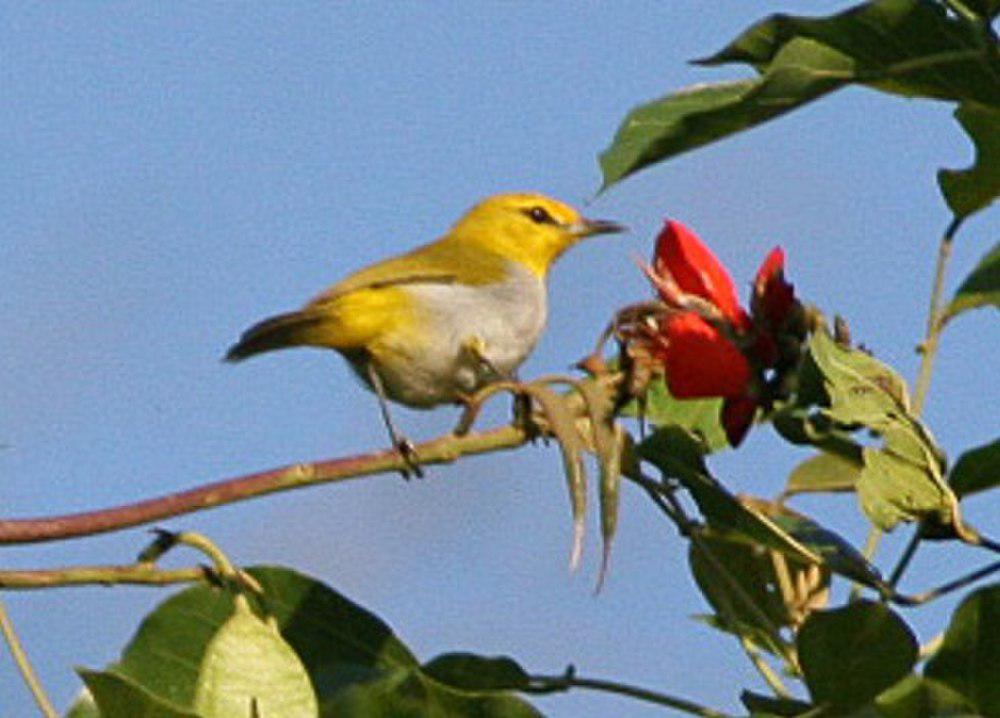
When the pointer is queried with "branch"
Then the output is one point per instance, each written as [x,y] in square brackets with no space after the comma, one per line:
[443,450]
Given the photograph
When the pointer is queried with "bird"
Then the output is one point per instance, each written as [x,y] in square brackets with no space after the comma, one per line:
[437,323]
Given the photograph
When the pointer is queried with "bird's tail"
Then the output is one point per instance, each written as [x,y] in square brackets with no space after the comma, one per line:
[294,329]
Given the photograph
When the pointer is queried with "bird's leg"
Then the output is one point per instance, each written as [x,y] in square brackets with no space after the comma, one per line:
[522,408]
[475,347]
[523,411]
[403,445]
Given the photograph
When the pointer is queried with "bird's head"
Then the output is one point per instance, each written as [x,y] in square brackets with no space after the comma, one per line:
[527,228]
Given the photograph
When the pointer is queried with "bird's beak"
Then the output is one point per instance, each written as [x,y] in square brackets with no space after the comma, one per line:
[590,227]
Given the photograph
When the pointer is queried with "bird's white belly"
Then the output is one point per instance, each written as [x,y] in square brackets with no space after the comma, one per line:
[433,364]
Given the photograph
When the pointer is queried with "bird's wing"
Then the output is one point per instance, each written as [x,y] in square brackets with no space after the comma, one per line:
[434,263]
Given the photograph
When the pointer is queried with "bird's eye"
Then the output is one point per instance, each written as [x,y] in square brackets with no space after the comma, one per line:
[539,215]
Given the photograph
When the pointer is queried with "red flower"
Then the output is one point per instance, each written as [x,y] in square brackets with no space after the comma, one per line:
[709,345]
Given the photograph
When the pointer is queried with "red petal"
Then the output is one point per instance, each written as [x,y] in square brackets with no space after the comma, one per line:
[700,362]
[773,297]
[696,270]
[737,417]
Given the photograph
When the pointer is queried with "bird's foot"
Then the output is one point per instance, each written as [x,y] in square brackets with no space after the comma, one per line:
[523,414]
[411,462]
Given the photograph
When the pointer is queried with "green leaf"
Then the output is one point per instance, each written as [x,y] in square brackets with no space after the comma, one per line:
[469,672]
[862,390]
[824,473]
[968,659]
[678,455]
[759,704]
[891,489]
[411,694]
[199,647]
[699,416]
[976,470]
[118,696]
[83,706]
[919,697]
[849,655]
[701,114]
[980,289]
[908,47]
[988,9]
[246,663]
[718,564]
[837,554]
[970,190]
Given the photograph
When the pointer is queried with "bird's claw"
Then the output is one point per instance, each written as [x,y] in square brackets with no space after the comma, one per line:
[408,452]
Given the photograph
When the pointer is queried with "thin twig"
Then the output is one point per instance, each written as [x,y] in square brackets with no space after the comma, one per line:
[905,558]
[928,348]
[139,574]
[928,351]
[928,596]
[24,665]
[552,684]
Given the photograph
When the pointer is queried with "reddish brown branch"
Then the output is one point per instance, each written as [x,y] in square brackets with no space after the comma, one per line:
[441,450]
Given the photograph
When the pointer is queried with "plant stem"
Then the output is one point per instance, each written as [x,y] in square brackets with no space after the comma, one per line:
[928,352]
[962,582]
[928,348]
[136,574]
[904,559]
[24,665]
[551,684]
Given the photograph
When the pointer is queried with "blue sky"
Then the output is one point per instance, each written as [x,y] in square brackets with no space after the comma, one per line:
[173,172]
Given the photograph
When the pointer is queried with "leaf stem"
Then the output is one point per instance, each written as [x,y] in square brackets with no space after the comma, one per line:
[24,665]
[552,684]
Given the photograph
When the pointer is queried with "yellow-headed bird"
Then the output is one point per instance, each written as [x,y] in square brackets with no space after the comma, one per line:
[435,324]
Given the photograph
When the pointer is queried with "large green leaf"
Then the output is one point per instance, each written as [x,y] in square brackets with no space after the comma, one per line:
[908,47]
[247,665]
[980,289]
[969,659]
[970,190]
[862,390]
[205,651]
[115,695]
[803,71]
[891,489]
[976,470]
[849,655]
